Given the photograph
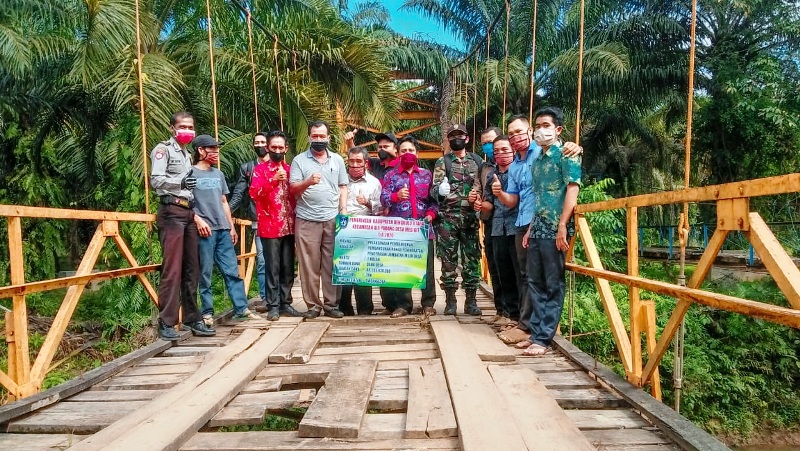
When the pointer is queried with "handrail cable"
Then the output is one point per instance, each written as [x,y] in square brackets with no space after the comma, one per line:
[505,65]
[534,25]
[252,66]
[213,74]
[142,117]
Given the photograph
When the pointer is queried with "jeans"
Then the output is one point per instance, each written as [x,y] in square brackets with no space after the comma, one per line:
[280,278]
[508,281]
[218,248]
[261,266]
[546,286]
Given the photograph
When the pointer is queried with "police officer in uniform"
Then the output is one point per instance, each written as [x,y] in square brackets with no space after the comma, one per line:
[171,177]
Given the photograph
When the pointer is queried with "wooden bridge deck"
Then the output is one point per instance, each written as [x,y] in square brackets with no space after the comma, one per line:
[368,383]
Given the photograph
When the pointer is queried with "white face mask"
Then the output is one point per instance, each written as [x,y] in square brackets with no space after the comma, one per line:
[545,137]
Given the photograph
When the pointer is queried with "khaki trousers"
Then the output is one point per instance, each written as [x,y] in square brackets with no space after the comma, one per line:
[315,257]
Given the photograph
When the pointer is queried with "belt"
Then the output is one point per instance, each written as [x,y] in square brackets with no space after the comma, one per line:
[169,199]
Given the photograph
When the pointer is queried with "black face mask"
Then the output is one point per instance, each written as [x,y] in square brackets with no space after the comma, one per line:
[458,144]
[319,146]
[384,155]
[276,157]
[261,151]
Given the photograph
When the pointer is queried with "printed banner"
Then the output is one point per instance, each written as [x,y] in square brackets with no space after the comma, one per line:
[380,251]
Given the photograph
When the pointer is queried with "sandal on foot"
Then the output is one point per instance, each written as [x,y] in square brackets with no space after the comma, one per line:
[509,325]
[399,313]
[524,344]
[512,336]
[536,350]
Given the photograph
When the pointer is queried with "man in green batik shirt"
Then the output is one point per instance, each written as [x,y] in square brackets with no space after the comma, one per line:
[556,181]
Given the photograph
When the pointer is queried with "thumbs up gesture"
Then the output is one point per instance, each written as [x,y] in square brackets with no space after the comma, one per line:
[189,182]
[280,174]
[497,188]
[350,136]
[473,194]
[403,193]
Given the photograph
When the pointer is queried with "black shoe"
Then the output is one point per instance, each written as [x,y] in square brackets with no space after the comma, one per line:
[288,310]
[334,313]
[450,309]
[311,314]
[200,329]
[274,314]
[261,308]
[167,333]
[472,309]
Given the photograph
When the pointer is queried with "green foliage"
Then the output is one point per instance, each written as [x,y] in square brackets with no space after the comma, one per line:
[607,226]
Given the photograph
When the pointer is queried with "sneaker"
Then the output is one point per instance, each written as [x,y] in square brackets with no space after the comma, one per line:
[246,315]
[334,313]
[199,328]
[311,314]
[208,320]
[167,333]
[288,310]
[274,314]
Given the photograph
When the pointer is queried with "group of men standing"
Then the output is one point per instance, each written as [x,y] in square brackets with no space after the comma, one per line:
[524,193]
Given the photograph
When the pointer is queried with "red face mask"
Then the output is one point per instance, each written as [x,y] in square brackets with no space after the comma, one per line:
[504,160]
[184,137]
[520,142]
[356,173]
[212,158]
[408,160]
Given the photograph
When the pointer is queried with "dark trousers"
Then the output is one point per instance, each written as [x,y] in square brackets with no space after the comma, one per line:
[279,252]
[525,306]
[395,298]
[363,300]
[180,269]
[546,286]
[494,277]
[505,256]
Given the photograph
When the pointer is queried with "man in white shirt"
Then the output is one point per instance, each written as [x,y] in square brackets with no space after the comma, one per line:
[363,199]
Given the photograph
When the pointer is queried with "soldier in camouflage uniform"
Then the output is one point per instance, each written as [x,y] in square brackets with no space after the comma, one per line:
[457,224]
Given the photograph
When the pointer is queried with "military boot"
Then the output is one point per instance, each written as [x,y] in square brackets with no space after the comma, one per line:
[471,306]
[450,301]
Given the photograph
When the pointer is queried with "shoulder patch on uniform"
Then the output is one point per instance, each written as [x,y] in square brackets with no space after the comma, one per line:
[160,154]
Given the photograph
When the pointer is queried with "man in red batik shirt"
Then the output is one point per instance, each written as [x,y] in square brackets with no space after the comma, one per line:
[275,206]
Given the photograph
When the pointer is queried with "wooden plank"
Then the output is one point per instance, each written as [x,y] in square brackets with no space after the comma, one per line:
[476,400]
[61,213]
[379,356]
[64,282]
[37,442]
[299,346]
[751,188]
[174,396]
[170,428]
[382,426]
[486,344]
[297,374]
[606,419]
[186,351]
[571,380]
[367,349]
[87,379]
[339,408]
[610,437]
[686,434]
[548,366]
[430,411]
[251,408]
[163,361]
[74,417]
[389,400]
[286,441]
[334,341]
[587,398]
[546,426]
[115,395]
[777,261]
[635,319]
[366,321]
[769,312]
[164,369]
[147,382]
[263,385]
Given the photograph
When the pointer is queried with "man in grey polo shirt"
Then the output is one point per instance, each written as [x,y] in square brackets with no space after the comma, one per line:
[318,179]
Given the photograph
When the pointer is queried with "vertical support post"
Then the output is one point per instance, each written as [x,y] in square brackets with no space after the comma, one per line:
[649,317]
[12,352]
[22,363]
[250,264]
[633,294]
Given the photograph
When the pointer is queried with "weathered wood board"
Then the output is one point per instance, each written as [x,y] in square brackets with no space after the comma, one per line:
[299,346]
[430,411]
